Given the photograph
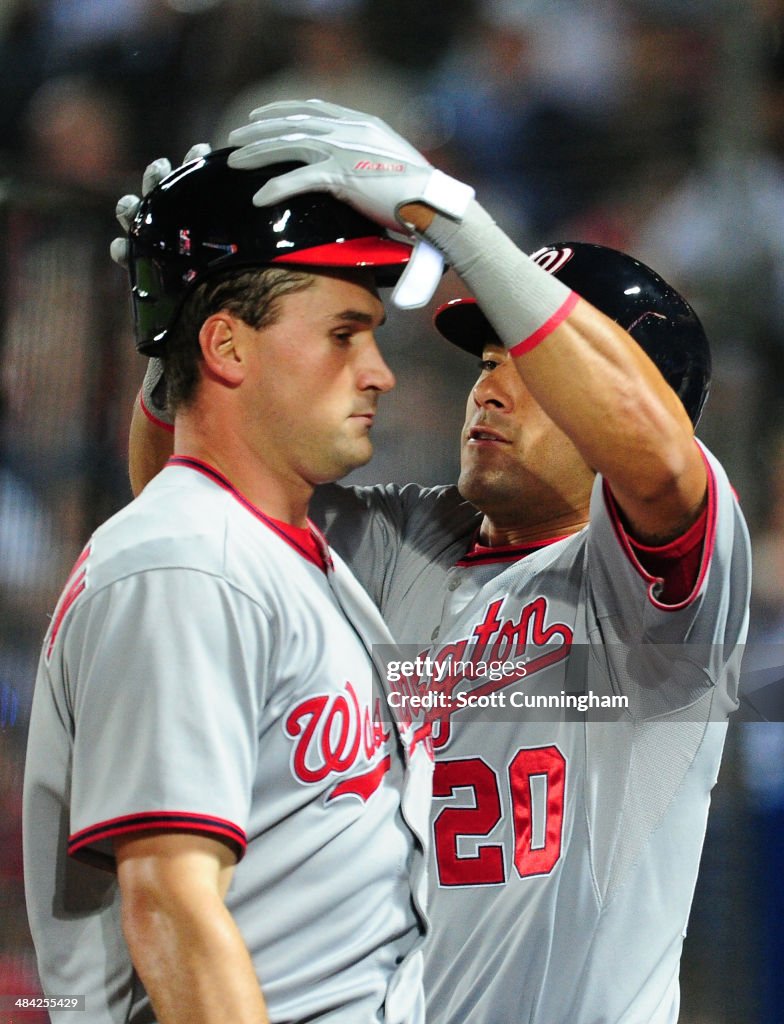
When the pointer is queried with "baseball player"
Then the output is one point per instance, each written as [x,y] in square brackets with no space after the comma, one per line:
[220,822]
[590,532]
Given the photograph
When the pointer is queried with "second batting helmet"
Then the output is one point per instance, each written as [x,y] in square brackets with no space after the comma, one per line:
[627,291]
[200,221]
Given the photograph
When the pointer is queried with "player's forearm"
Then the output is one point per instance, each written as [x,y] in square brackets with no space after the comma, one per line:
[183,941]
[605,393]
[192,961]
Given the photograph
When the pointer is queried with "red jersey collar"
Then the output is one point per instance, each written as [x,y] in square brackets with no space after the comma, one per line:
[481,554]
[308,541]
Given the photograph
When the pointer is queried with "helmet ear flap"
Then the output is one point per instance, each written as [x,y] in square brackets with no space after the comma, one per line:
[152,306]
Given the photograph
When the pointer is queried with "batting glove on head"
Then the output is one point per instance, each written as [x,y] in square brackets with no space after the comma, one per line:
[126,208]
[360,160]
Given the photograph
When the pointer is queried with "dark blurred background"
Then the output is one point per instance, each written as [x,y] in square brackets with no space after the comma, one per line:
[656,126]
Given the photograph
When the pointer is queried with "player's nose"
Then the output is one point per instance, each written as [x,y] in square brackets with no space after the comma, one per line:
[493,389]
[374,373]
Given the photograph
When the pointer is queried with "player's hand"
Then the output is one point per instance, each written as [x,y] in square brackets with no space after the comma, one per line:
[126,208]
[360,160]
[355,156]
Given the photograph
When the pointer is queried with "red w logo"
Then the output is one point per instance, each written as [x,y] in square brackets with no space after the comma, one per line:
[333,735]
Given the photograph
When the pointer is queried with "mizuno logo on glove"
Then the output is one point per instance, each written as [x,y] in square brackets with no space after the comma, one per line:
[370,165]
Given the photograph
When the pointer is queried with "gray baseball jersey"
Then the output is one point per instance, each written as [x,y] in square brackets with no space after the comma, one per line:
[566,847]
[208,669]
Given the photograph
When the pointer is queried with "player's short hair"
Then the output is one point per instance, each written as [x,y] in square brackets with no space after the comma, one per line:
[251,294]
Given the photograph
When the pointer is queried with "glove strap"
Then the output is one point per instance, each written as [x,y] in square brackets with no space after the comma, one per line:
[446,194]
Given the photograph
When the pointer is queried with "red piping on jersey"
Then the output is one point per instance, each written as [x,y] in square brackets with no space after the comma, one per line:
[74,585]
[153,418]
[480,554]
[308,542]
[171,821]
[707,549]
[547,328]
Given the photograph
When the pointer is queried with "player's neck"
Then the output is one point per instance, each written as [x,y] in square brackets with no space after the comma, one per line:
[493,534]
[282,496]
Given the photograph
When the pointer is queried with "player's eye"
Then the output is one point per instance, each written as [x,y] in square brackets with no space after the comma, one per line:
[486,365]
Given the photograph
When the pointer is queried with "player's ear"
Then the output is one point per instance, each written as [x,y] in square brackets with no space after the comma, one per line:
[218,340]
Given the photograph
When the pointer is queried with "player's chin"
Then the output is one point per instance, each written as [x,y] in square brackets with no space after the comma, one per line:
[480,477]
[472,483]
[346,457]
[362,453]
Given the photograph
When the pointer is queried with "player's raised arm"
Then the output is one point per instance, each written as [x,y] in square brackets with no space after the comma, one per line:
[184,943]
[151,436]
[584,370]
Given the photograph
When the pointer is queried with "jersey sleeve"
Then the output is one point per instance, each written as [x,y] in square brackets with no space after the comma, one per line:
[678,666]
[162,678]
[667,656]
[373,528]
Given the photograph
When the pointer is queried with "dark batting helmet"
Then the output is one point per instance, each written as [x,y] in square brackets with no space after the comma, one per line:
[200,221]
[627,291]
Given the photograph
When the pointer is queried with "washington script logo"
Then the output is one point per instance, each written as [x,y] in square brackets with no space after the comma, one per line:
[335,738]
[499,652]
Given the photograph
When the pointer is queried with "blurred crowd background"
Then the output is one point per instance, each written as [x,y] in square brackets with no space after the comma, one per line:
[656,126]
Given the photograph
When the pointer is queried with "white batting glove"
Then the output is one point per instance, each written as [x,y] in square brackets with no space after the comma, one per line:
[126,208]
[358,159]
[355,156]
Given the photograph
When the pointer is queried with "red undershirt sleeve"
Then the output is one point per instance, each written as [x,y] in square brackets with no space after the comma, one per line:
[677,563]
